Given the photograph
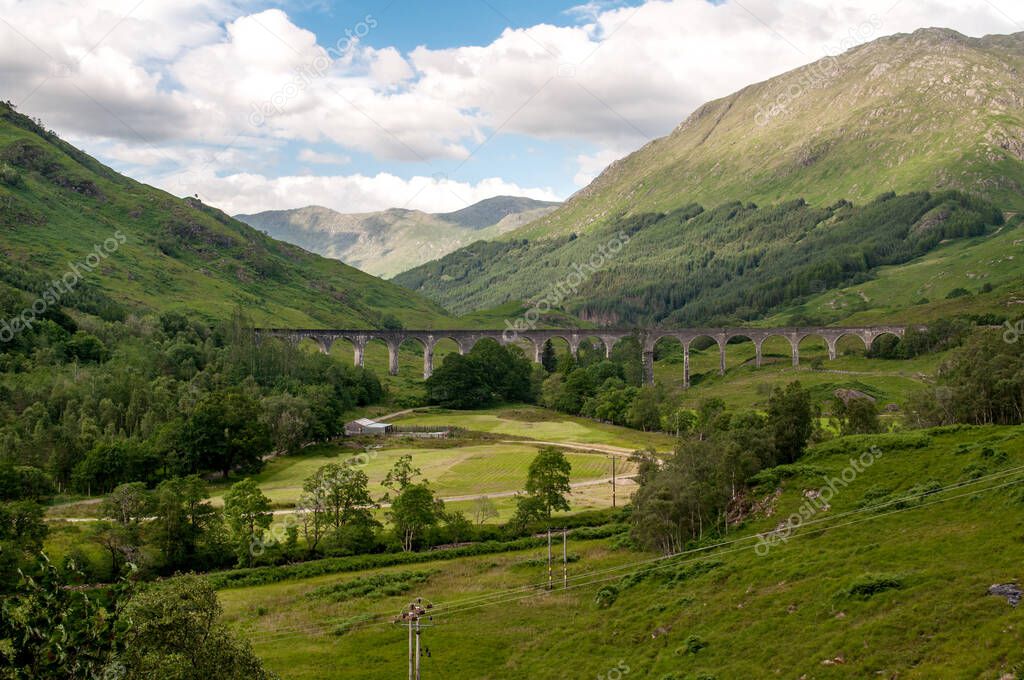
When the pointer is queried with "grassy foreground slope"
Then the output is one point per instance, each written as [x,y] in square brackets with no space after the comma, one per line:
[876,587]
[57,204]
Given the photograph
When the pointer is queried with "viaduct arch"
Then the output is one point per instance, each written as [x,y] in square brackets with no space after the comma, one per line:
[466,339]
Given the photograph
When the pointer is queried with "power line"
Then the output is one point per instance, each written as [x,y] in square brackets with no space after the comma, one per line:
[413,615]
[741,548]
[531,590]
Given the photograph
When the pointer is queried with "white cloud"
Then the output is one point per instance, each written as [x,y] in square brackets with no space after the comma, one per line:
[591,165]
[249,193]
[311,156]
[163,82]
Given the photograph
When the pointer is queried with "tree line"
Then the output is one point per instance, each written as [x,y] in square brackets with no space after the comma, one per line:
[96,403]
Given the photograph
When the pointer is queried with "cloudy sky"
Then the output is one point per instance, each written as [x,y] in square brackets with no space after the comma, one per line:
[365,105]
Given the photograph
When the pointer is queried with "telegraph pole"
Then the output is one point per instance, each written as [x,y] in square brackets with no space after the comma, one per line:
[549,558]
[565,560]
[417,649]
[413,617]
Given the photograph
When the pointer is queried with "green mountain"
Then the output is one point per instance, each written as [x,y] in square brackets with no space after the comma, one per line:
[804,184]
[926,111]
[61,212]
[391,241]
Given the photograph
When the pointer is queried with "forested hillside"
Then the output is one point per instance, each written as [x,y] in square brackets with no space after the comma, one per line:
[787,189]
[734,263]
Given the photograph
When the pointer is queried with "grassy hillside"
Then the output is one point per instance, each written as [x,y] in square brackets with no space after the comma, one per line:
[732,264]
[925,111]
[980,275]
[767,199]
[57,205]
[855,594]
[391,241]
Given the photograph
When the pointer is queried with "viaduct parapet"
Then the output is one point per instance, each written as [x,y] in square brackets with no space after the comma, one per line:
[609,337]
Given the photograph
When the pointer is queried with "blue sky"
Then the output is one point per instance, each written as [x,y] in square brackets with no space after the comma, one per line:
[433,105]
[407,24]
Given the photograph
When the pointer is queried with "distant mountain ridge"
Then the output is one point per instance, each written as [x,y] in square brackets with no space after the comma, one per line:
[388,242]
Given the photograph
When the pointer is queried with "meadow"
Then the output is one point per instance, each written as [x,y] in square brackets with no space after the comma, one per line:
[453,471]
[856,592]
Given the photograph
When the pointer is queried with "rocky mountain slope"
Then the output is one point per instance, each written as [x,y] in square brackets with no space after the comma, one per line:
[923,111]
[773,167]
[391,241]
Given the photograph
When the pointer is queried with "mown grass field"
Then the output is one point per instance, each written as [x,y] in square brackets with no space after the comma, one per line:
[861,594]
[452,470]
[541,424]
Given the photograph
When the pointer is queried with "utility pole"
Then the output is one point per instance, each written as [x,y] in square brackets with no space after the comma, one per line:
[565,560]
[417,649]
[549,558]
[413,617]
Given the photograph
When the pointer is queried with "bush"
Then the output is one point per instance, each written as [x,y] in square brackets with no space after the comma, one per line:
[378,585]
[772,476]
[867,586]
[606,597]
[10,176]
[692,645]
[886,501]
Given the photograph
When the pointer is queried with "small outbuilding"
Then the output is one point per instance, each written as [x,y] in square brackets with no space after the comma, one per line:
[365,426]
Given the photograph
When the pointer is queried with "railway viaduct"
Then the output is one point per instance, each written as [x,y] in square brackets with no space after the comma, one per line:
[647,338]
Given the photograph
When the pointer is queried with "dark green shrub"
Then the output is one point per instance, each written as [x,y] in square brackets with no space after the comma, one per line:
[606,597]
[867,586]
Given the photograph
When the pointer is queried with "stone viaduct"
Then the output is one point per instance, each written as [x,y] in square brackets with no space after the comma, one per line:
[647,338]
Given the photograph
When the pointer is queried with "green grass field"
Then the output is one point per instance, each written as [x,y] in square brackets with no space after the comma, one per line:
[744,386]
[859,595]
[917,292]
[540,424]
[452,470]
